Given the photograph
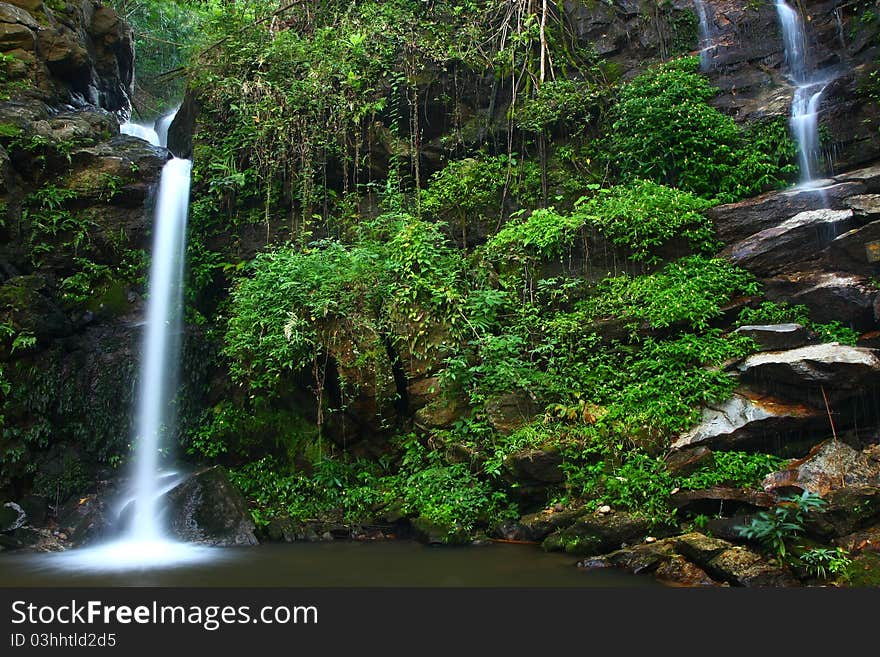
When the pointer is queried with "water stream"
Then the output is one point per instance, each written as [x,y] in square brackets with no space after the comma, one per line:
[809,87]
[144,542]
[707,35]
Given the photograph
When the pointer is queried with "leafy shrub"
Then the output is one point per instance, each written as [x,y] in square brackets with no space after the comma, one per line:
[733,469]
[664,129]
[643,215]
[776,528]
[691,290]
[559,102]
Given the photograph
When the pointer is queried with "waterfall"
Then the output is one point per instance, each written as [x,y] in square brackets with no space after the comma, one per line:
[163,123]
[144,543]
[140,131]
[707,35]
[159,357]
[808,90]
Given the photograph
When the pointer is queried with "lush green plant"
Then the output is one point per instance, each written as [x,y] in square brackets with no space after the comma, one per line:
[823,562]
[776,528]
[664,129]
[570,103]
[691,290]
[733,469]
[643,215]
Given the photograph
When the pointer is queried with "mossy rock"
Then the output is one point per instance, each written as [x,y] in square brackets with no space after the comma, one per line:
[864,571]
[433,532]
[597,534]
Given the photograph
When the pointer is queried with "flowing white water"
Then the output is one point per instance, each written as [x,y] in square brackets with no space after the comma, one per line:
[145,543]
[808,90]
[159,359]
[707,35]
[163,123]
[141,131]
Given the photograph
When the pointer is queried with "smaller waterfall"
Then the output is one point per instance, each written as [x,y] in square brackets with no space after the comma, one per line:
[707,35]
[141,132]
[808,90]
[163,123]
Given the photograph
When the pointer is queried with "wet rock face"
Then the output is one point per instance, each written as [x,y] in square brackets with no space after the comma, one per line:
[748,421]
[795,242]
[78,53]
[839,367]
[773,337]
[206,508]
[829,466]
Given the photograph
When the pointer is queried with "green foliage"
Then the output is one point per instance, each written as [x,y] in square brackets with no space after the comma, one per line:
[542,234]
[569,103]
[777,528]
[822,562]
[246,432]
[163,33]
[691,291]
[733,469]
[297,305]
[643,215]
[476,188]
[664,129]
[422,485]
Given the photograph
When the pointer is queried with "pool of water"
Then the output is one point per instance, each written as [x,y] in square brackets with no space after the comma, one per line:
[355,564]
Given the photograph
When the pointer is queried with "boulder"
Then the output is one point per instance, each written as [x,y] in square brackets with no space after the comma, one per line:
[865,207]
[857,250]
[711,500]
[841,369]
[678,571]
[846,511]
[791,244]
[206,508]
[14,36]
[536,526]
[429,531]
[773,337]
[596,534]
[441,413]
[735,222]
[30,5]
[684,462]
[735,564]
[87,519]
[742,566]
[540,466]
[830,465]
[863,540]
[750,422]
[508,412]
[830,296]
[868,178]
[637,559]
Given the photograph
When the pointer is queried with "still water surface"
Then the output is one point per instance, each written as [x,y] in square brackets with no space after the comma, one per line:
[356,564]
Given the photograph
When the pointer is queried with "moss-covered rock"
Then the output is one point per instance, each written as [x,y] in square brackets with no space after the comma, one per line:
[596,534]
[207,508]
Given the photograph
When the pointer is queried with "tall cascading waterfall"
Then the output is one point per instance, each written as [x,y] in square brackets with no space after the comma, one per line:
[707,35]
[808,90]
[144,542]
[160,355]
